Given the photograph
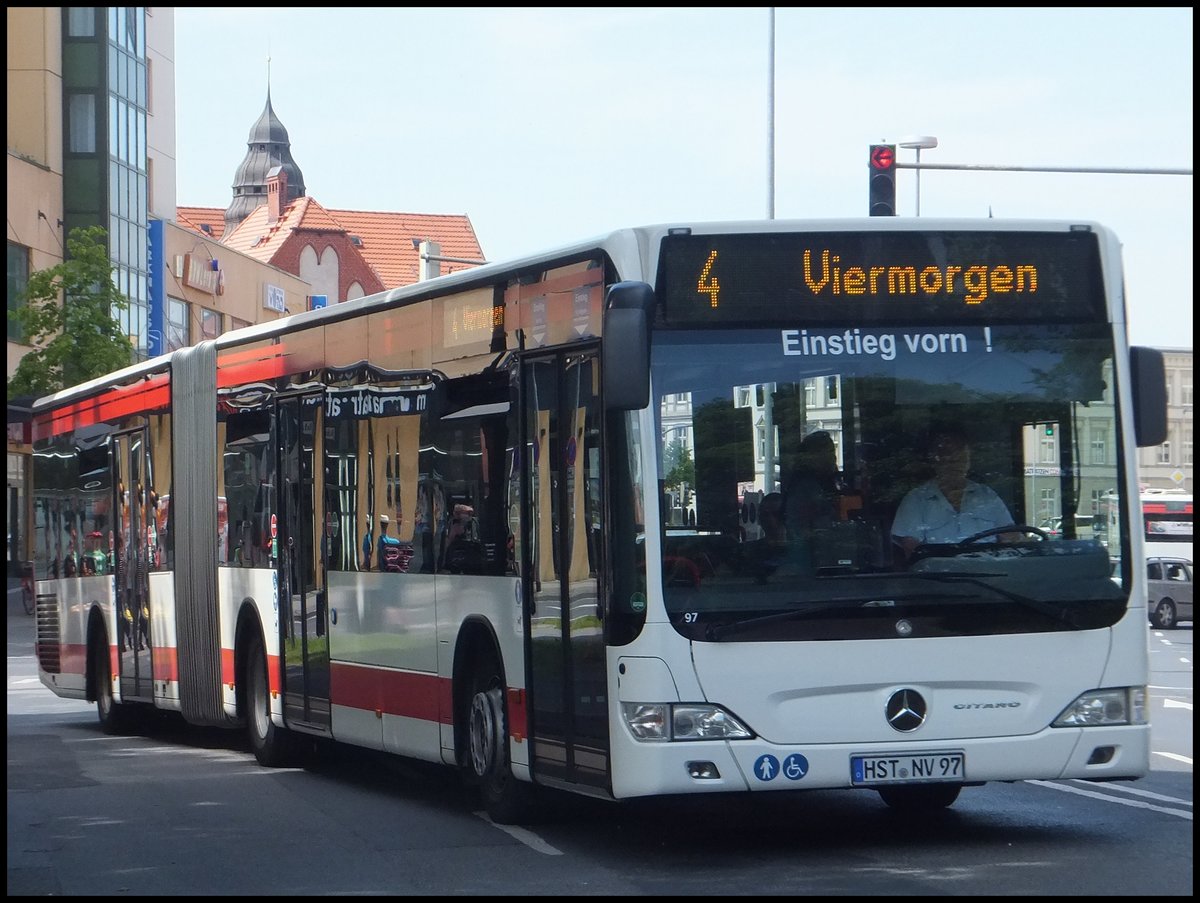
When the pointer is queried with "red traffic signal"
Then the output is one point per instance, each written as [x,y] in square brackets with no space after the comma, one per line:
[881,199]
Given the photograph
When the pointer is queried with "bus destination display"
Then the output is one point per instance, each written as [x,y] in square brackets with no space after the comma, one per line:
[878,276]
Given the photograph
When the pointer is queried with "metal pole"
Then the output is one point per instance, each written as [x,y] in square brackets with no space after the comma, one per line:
[771,115]
[918,181]
[1112,170]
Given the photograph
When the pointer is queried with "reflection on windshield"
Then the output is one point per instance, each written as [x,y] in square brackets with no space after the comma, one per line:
[790,460]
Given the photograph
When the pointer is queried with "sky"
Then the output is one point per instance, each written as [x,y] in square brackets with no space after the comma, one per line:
[550,126]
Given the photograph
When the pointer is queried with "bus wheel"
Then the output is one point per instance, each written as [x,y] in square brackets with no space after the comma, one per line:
[506,798]
[1164,614]
[270,744]
[920,797]
[114,717]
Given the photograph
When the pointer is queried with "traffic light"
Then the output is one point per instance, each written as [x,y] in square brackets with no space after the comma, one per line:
[882,186]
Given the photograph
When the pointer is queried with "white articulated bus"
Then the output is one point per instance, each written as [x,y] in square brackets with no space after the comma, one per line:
[567,448]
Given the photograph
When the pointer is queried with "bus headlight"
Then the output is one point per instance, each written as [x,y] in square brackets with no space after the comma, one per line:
[682,721]
[1103,708]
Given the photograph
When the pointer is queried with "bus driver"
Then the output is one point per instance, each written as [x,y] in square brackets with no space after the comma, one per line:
[949,507]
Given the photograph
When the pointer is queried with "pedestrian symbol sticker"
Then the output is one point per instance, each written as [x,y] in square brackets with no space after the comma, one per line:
[766,767]
[795,767]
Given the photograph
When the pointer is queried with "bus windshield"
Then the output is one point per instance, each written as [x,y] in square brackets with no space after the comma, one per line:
[785,455]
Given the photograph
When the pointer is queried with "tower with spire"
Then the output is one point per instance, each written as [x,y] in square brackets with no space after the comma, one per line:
[267,147]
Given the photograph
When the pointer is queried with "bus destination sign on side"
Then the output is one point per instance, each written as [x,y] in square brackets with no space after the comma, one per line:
[879,276]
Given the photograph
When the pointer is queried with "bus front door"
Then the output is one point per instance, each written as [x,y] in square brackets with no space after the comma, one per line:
[131,566]
[303,613]
[561,462]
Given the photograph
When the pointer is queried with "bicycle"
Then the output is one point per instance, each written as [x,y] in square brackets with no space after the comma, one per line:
[27,597]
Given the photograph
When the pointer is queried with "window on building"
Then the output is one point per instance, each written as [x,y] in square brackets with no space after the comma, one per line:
[1185,387]
[1048,503]
[1099,446]
[18,281]
[210,324]
[81,22]
[81,123]
[235,323]
[177,324]
[1164,453]
[1049,450]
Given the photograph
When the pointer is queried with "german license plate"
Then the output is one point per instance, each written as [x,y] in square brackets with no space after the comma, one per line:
[950,767]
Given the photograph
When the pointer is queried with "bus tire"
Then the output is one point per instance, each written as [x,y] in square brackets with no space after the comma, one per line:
[1163,616]
[114,717]
[917,798]
[271,744]
[506,798]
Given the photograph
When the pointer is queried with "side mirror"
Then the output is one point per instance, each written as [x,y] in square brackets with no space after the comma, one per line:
[1148,379]
[625,346]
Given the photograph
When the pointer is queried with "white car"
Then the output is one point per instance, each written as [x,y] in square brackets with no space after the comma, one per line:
[1169,595]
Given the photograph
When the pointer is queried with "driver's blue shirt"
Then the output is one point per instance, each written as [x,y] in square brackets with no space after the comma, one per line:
[926,515]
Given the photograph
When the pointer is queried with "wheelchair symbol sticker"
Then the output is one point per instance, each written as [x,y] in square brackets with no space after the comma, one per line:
[766,767]
[795,767]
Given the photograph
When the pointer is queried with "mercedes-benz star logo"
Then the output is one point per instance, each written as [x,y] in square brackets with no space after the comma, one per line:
[906,710]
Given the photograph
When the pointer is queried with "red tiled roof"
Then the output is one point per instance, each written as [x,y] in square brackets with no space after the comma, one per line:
[385,240]
[195,218]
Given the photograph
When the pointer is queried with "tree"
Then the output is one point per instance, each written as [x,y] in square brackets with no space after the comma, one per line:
[77,338]
[678,465]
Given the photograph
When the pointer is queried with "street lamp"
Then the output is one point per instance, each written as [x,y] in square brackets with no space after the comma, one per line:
[919,142]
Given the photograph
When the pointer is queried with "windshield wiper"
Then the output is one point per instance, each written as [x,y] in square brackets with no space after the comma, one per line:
[716,631]
[975,578]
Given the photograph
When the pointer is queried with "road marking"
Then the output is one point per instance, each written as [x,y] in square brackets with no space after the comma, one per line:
[1136,804]
[1175,756]
[1137,791]
[528,838]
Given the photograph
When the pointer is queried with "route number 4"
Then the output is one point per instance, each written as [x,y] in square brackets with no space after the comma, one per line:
[708,285]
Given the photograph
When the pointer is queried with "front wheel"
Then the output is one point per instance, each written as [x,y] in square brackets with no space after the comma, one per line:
[1164,615]
[506,798]
[916,798]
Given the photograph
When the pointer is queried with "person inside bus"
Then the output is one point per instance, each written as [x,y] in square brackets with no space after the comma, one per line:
[765,555]
[813,491]
[949,507]
[392,555]
[368,544]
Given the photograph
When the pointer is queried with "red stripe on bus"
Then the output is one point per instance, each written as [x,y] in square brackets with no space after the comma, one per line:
[149,395]
[405,693]
[72,658]
[165,663]
[517,717]
[250,372]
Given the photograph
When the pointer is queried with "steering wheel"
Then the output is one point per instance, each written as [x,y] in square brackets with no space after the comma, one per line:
[996,531]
